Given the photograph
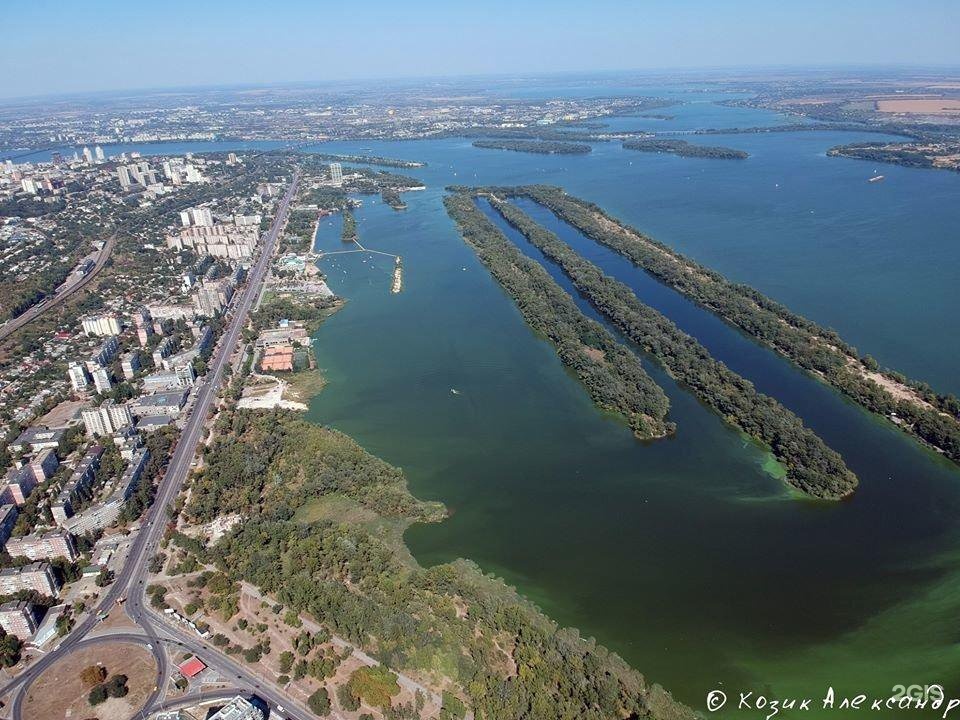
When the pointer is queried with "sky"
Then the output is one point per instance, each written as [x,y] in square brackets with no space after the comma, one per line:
[53,47]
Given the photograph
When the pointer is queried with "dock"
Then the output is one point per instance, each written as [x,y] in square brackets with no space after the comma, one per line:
[397,276]
[397,283]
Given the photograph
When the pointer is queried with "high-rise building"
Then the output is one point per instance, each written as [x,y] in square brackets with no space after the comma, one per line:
[102,380]
[8,518]
[88,156]
[98,153]
[17,618]
[129,364]
[30,185]
[106,419]
[123,175]
[194,175]
[102,325]
[43,546]
[95,422]
[37,576]
[79,380]
[44,464]
[104,354]
[336,174]
[198,217]
[20,482]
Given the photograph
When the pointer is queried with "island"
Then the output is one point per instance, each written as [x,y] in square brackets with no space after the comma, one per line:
[611,373]
[369,160]
[685,149]
[812,467]
[933,155]
[539,147]
[913,406]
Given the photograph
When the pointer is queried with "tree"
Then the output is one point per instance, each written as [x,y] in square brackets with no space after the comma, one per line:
[104,578]
[117,686]
[10,646]
[319,702]
[93,675]
[348,701]
[286,661]
[97,695]
[453,708]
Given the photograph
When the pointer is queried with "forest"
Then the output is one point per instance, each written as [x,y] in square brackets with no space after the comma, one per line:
[539,147]
[684,149]
[504,658]
[611,373]
[930,417]
[812,467]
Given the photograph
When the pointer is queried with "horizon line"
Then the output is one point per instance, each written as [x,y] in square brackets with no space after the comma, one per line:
[515,75]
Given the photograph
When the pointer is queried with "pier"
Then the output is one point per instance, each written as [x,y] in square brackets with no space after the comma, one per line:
[397,284]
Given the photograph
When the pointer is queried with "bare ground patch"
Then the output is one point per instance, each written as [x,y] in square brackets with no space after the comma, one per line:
[59,692]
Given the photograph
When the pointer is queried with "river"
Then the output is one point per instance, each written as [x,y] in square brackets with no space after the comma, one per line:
[687,556]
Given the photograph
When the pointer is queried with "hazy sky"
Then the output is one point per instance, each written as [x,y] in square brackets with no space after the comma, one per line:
[67,46]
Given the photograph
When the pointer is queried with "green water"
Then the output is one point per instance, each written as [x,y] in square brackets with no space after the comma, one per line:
[687,556]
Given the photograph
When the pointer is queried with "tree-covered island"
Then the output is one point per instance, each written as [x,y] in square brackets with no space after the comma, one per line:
[684,149]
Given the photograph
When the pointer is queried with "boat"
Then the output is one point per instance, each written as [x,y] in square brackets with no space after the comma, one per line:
[875,178]
[454,391]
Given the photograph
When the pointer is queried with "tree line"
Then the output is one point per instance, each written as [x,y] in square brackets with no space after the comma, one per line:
[812,467]
[611,373]
[932,417]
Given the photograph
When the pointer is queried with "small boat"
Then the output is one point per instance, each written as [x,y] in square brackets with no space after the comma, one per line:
[454,391]
[875,178]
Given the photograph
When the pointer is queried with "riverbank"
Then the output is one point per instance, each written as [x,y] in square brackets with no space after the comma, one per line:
[466,636]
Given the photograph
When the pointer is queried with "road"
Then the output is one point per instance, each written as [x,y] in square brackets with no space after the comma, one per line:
[11,326]
[130,581]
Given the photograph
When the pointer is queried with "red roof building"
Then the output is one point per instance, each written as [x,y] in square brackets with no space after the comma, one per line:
[192,667]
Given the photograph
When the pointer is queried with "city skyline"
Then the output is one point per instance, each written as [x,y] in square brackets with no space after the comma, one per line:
[115,48]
